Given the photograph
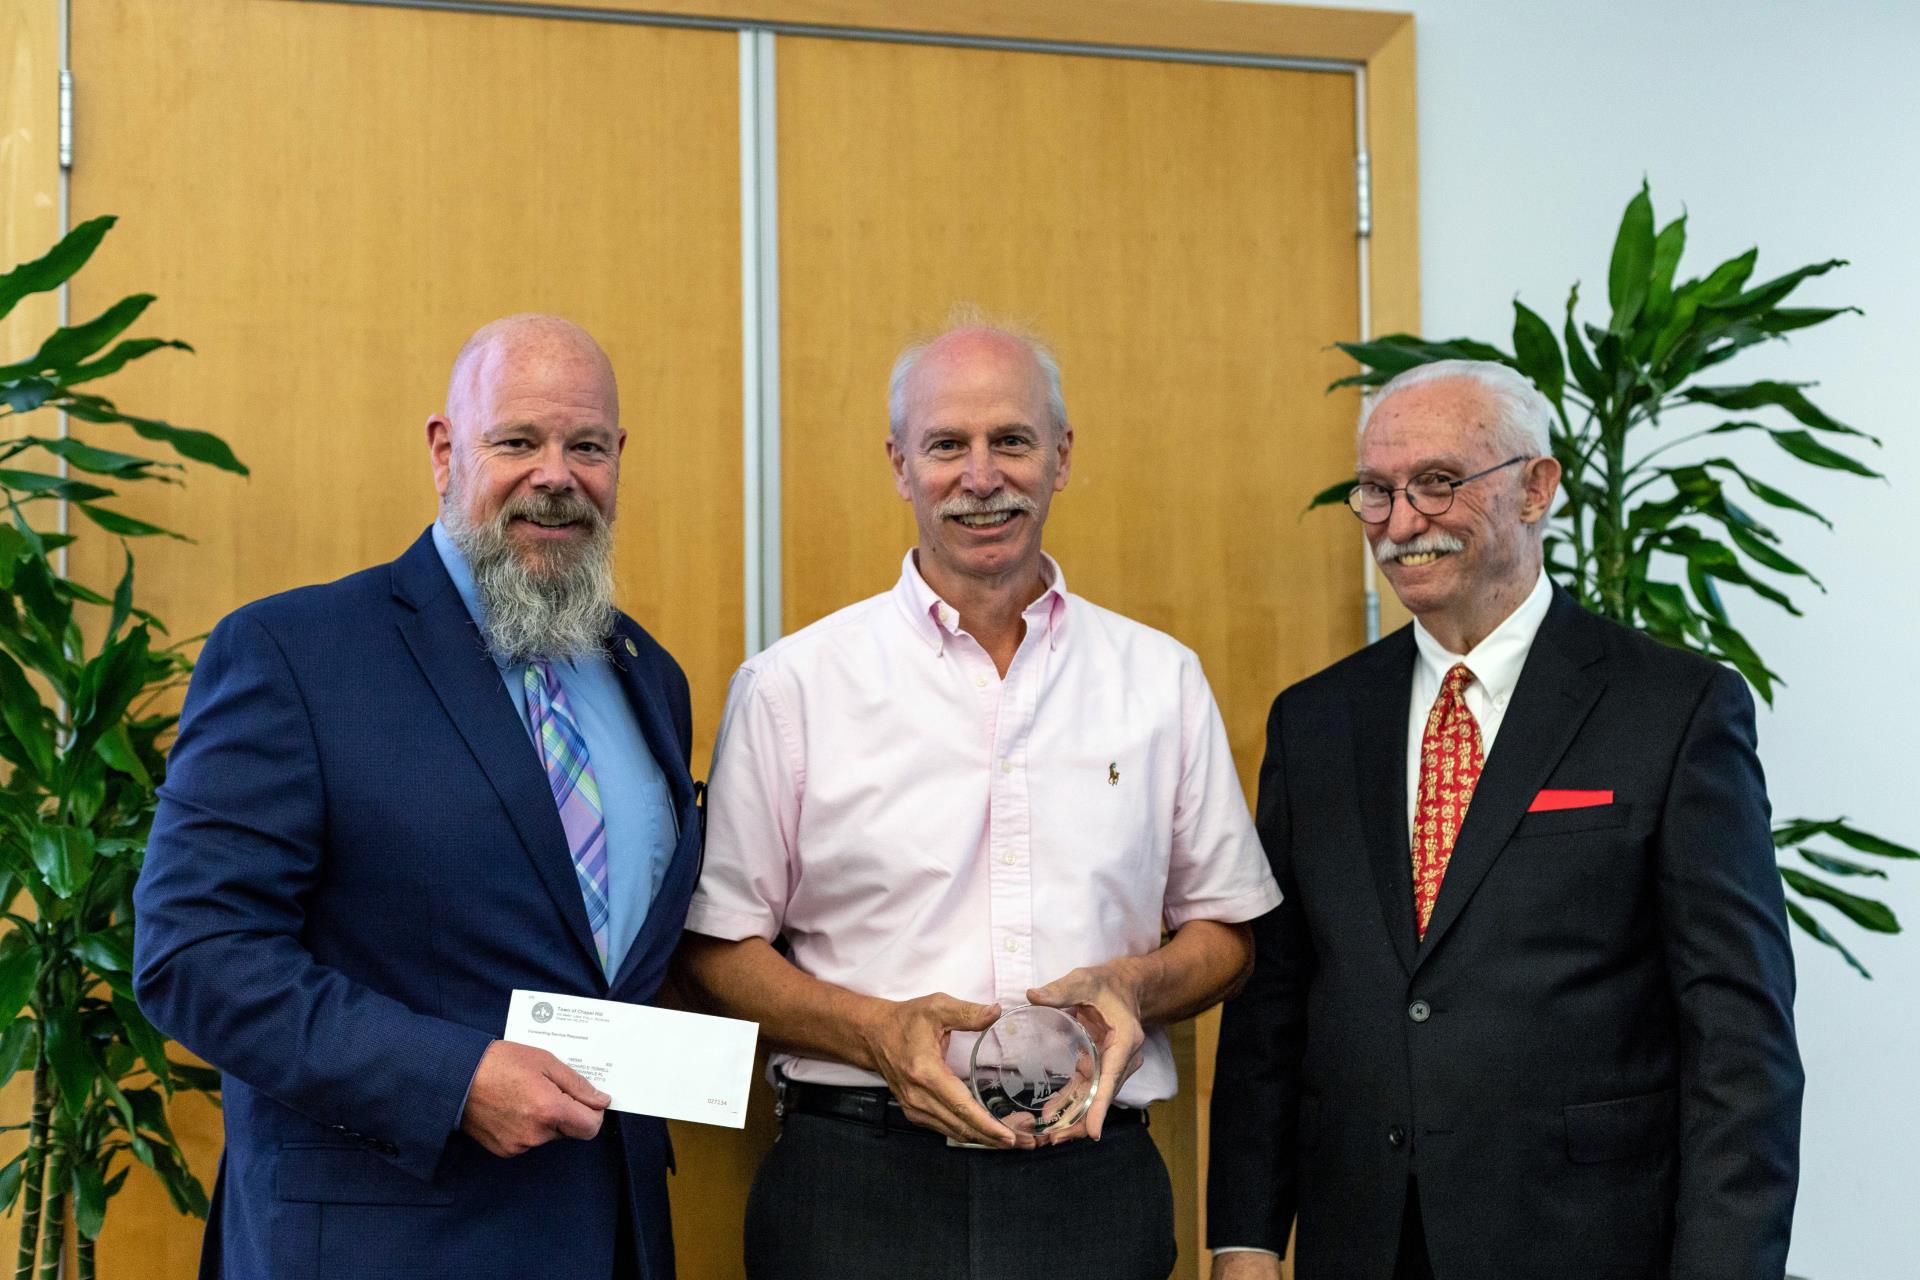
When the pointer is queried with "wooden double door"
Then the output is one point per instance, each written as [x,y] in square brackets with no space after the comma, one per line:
[327,197]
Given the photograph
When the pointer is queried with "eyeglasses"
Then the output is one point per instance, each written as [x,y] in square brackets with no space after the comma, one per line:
[1430,494]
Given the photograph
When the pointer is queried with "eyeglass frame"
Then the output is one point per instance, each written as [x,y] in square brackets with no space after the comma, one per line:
[1453,489]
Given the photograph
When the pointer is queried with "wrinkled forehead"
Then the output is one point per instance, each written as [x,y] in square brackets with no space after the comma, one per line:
[1451,420]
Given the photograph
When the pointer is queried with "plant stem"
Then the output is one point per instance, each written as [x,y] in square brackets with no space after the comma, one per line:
[85,1250]
[30,1197]
[53,1228]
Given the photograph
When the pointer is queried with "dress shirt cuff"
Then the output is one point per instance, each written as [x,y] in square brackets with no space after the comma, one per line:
[1241,907]
[1243,1248]
[729,926]
[460,1116]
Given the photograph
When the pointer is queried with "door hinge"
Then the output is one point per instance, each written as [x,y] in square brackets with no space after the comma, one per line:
[1363,189]
[66,118]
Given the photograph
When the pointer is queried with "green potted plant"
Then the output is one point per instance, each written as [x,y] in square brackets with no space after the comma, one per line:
[1656,521]
[84,686]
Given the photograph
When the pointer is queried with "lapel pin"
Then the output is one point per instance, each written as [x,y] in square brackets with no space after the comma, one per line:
[633,650]
[1113,773]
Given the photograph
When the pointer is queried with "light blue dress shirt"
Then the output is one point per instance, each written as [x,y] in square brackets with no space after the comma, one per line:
[642,829]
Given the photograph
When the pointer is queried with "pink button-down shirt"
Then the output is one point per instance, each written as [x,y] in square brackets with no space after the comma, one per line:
[912,822]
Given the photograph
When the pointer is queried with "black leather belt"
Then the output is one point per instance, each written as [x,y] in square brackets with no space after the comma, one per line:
[878,1108]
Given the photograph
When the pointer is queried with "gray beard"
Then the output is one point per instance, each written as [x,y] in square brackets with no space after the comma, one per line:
[558,603]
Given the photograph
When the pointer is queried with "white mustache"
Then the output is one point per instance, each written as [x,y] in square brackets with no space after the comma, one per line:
[1387,549]
[962,505]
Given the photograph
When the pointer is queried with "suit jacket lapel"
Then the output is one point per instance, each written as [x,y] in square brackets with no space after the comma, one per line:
[447,645]
[1380,762]
[646,696]
[1551,701]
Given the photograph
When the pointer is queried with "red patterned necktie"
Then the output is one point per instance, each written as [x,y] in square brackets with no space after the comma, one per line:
[1450,761]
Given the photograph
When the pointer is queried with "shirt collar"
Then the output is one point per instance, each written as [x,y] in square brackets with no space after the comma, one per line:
[933,619]
[1496,661]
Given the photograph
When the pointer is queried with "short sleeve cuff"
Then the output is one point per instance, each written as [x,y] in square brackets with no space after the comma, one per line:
[729,926]
[1237,909]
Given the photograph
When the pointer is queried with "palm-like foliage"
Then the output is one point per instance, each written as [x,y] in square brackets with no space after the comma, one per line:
[1655,521]
[82,738]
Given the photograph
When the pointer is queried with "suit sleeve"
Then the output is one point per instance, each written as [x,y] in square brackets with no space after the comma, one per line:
[1724,933]
[1252,1178]
[238,844]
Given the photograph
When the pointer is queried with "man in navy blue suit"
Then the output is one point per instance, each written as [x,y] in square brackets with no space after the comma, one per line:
[395,799]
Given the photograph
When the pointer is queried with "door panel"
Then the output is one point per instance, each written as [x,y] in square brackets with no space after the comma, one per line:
[1183,235]
[327,199]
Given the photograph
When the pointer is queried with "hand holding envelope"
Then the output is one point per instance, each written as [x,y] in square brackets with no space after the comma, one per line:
[523,1097]
[657,1062]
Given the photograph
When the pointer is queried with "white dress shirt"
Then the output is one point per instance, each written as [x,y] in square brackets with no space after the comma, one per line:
[913,822]
[1495,663]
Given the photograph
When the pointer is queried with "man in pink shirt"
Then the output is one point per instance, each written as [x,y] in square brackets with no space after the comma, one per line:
[968,793]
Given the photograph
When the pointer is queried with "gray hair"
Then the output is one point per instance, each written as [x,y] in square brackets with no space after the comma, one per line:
[968,316]
[1523,419]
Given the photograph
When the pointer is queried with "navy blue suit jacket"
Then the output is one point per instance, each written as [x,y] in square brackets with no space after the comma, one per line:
[356,858]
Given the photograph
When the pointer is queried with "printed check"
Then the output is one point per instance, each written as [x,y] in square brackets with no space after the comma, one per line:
[655,1062]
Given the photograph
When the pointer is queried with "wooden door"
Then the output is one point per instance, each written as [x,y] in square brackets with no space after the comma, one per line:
[327,199]
[1184,236]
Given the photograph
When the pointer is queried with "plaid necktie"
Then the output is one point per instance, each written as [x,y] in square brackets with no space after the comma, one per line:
[563,753]
[1450,762]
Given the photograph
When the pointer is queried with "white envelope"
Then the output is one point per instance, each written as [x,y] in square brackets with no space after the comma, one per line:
[655,1062]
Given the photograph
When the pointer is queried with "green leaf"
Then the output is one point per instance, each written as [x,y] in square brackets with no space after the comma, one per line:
[19,970]
[1783,395]
[200,446]
[122,597]
[1814,929]
[1390,355]
[1667,247]
[1333,495]
[100,461]
[71,1060]
[1758,549]
[1585,374]
[116,748]
[25,717]
[10,1180]
[1797,830]
[18,1044]
[1839,866]
[108,950]
[146,1041]
[51,270]
[107,685]
[1724,280]
[39,482]
[1629,275]
[1875,916]
[1766,492]
[1763,297]
[121,355]
[126,526]
[1729,644]
[1803,445]
[89,1199]
[63,855]
[67,347]
[1537,354]
[1788,319]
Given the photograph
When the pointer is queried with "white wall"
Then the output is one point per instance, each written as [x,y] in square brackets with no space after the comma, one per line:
[1791,126]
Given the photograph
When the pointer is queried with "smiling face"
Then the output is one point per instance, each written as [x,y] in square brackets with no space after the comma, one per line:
[1464,571]
[531,440]
[980,460]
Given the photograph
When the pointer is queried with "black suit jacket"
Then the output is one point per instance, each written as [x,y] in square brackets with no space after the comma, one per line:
[1589,1063]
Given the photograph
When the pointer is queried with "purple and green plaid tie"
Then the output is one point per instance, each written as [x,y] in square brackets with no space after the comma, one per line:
[563,753]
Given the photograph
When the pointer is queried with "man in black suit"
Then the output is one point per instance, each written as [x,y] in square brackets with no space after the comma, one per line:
[1526,1010]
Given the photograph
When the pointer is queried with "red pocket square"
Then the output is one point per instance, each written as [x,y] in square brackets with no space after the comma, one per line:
[1548,801]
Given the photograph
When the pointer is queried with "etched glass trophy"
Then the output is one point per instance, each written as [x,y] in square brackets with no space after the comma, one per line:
[1036,1069]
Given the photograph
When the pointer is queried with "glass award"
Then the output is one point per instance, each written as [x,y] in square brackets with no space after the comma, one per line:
[1036,1069]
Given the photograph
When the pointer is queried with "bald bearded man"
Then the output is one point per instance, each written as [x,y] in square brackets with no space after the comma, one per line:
[396,798]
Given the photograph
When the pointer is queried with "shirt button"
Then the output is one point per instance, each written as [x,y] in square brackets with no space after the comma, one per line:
[1397,1136]
[1013,944]
[979,682]
[1006,766]
[1419,1011]
[1009,858]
